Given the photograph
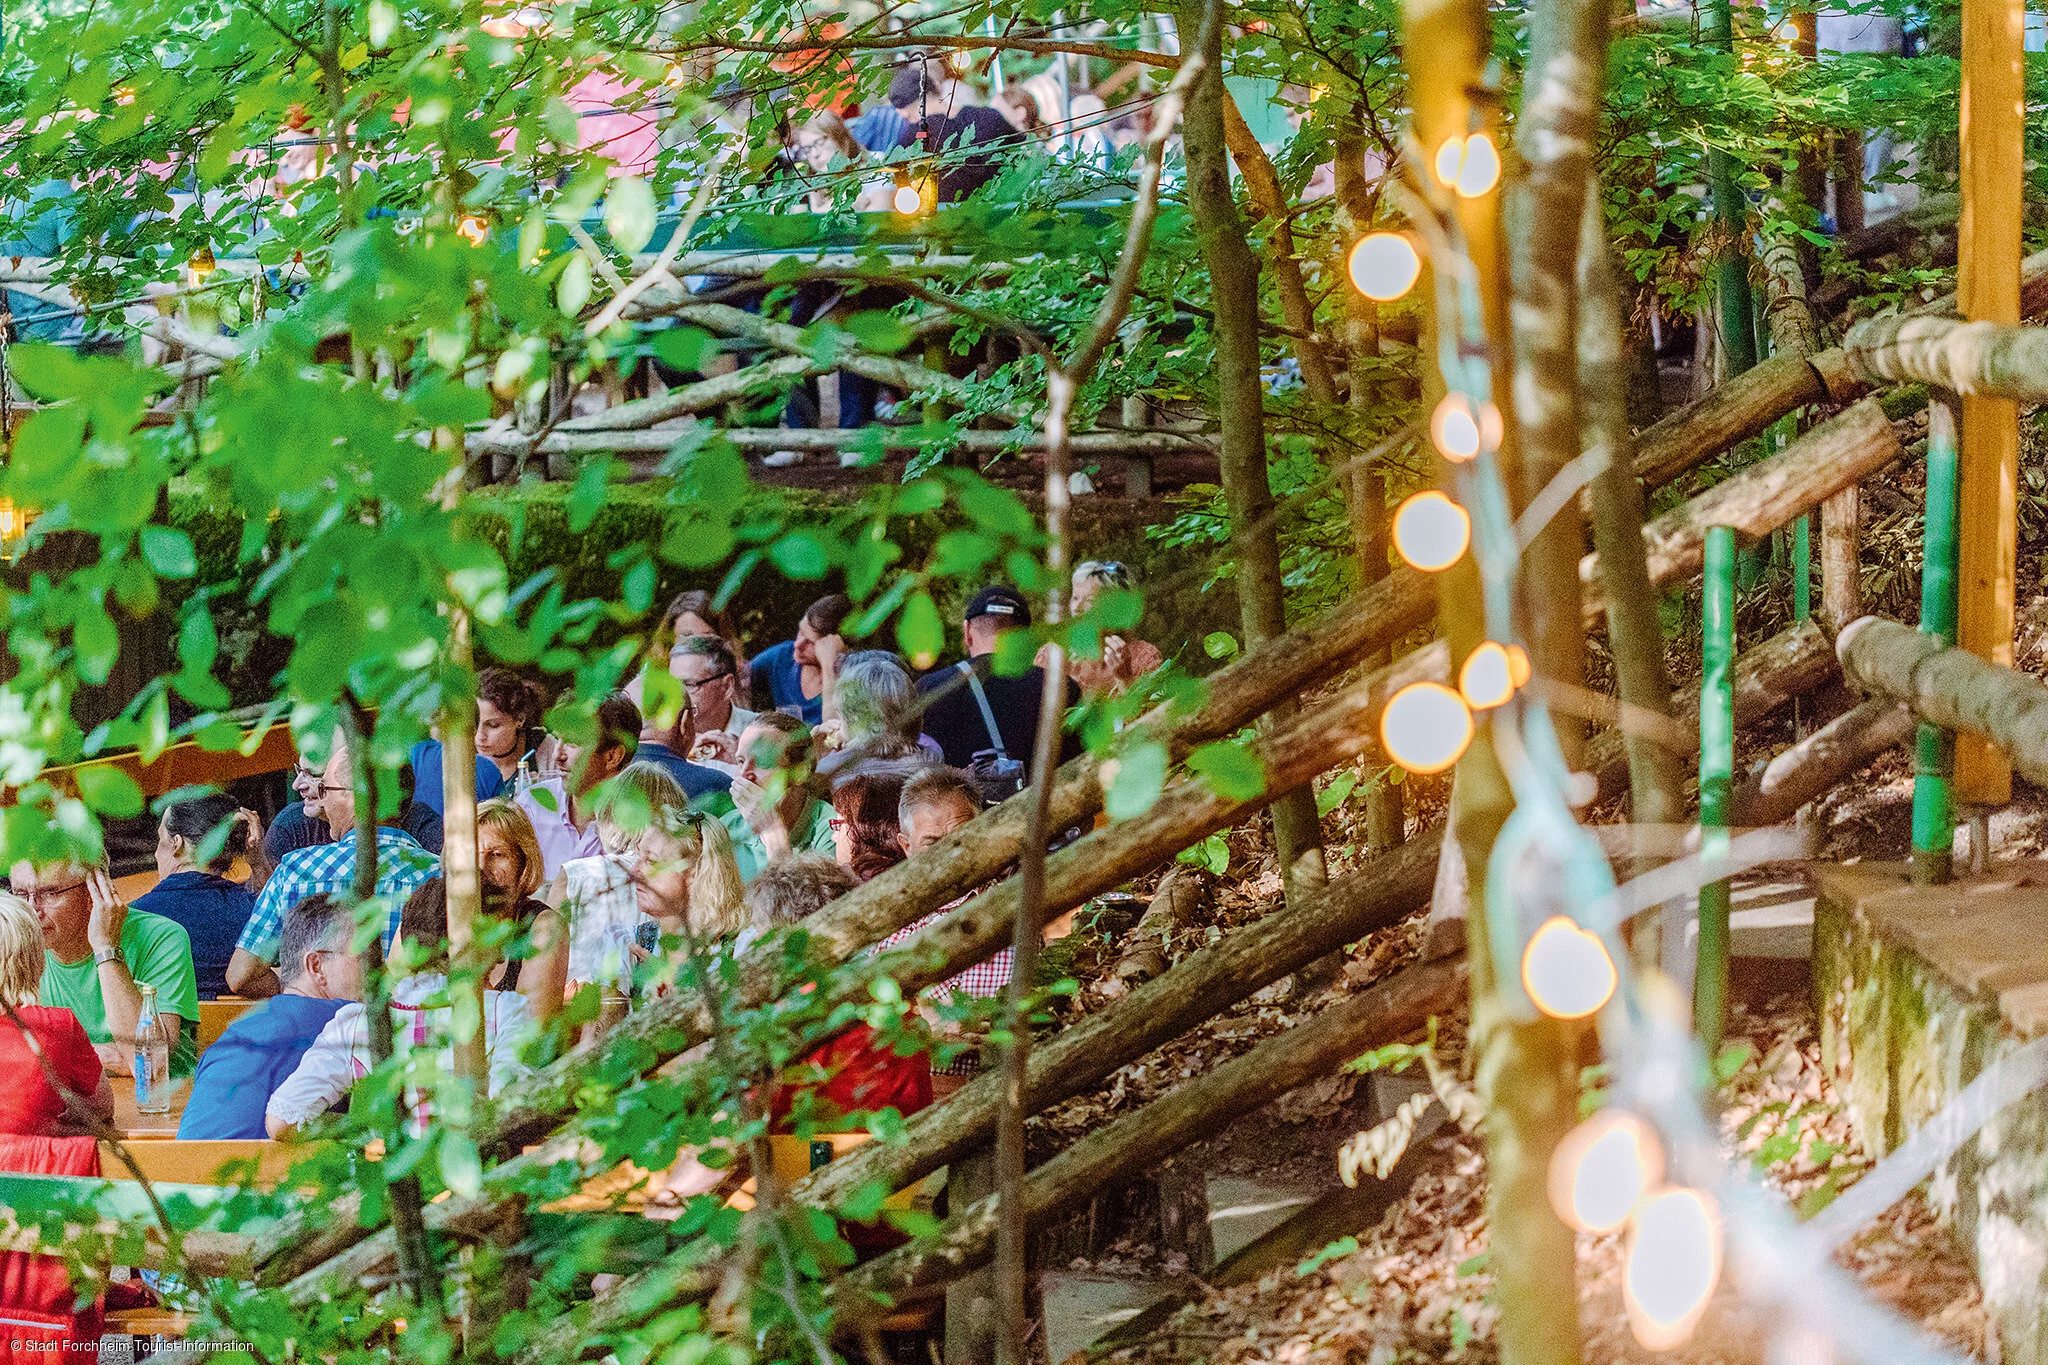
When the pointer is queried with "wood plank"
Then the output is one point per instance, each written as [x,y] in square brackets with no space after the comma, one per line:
[1988,290]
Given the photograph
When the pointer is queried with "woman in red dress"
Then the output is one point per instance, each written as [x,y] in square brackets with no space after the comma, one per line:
[29,1104]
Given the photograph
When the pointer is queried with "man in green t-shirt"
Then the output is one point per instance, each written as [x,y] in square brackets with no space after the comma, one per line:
[98,954]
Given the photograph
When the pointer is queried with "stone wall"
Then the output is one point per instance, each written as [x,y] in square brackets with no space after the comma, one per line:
[1917,989]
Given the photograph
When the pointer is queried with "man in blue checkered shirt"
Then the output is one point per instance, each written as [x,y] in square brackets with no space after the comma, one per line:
[403,866]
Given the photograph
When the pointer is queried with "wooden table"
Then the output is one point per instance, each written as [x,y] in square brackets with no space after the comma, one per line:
[135,1125]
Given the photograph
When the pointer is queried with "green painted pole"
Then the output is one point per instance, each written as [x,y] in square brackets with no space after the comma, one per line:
[1802,569]
[1934,805]
[1717,778]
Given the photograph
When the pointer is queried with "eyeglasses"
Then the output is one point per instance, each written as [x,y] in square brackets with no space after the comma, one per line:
[706,682]
[43,895]
[836,823]
[329,787]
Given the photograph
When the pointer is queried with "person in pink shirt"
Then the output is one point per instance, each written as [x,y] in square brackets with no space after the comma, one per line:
[565,823]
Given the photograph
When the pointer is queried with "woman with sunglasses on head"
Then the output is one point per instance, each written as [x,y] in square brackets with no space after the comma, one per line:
[1125,659]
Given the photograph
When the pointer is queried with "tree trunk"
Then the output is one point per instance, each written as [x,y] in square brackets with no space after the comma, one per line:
[1811,768]
[1764,496]
[1271,203]
[1635,634]
[1560,117]
[1971,358]
[1240,399]
[1951,688]
[1385,891]
[1139,1141]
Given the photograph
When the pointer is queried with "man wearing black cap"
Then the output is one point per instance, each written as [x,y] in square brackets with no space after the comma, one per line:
[985,723]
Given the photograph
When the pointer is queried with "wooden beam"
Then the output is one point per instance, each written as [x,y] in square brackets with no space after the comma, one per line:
[1953,688]
[1989,359]
[1988,290]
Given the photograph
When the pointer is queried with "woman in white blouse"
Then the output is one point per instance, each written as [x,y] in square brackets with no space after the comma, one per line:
[341,1055]
[664,865]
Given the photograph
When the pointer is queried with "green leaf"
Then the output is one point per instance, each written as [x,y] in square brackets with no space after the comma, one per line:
[1139,777]
[96,641]
[637,587]
[801,554]
[920,632]
[879,331]
[1213,854]
[629,212]
[687,348]
[110,791]
[1335,1251]
[1334,795]
[168,551]
[1219,644]
[572,289]
[462,1169]
[586,499]
[533,235]
[1232,771]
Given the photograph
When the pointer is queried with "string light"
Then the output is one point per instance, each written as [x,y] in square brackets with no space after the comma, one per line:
[907,199]
[1425,728]
[1479,169]
[1385,265]
[201,265]
[1430,531]
[473,229]
[1602,1170]
[1491,674]
[1566,970]
[1674,1260]
[1449,158]
[1462,429]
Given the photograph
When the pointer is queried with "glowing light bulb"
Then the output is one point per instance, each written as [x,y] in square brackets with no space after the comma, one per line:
[1488,677]
[1479,169]
[907,199]
[1449,158]
[1384,265]
[1425,727]
[1431,531]
[1602,1169]
[124,94]
[473,230]
[1674,1260]
[200,266]
[1566,970]
[1462,429]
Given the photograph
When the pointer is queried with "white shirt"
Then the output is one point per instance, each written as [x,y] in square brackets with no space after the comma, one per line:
[341,1055]
[556,833]
[604,920]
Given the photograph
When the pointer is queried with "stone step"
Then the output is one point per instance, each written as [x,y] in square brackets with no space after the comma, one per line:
[1081,1307]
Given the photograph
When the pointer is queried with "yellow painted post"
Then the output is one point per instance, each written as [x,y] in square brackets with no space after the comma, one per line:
[1988,290]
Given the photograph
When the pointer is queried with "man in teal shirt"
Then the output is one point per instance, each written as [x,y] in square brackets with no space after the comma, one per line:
[98,954]
[774,812]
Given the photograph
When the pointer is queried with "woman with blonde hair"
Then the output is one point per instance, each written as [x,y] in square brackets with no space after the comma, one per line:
[665,869]
[509,868]
[33,1036]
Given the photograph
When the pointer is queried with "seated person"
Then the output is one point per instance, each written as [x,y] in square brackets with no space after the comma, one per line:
[935,802]
[327,869]
[341,1054]
[858,1076]
[210,907]
[251,1059]
[776,811]
[30,1104]
[669,732]
[798,673]
[665,865]
[99,953]
[565,824]
[866,839]
[986,723]
[872,712]
[508,864]
[301,825]
[709,673]
[508,711]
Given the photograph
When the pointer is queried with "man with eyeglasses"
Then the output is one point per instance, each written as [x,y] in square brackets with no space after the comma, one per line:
[403,866]
[300,824]
[321,972]
[98,954]
[704,665]
[668,732]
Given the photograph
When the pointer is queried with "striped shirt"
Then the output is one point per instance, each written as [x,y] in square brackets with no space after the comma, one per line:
[403,867]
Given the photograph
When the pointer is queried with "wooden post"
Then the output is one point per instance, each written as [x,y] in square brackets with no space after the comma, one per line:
[1841,557]
[1988,290]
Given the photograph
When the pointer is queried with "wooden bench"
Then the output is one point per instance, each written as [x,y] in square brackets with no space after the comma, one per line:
[216,1015]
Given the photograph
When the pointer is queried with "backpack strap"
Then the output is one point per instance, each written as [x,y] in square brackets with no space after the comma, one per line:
[988,715]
